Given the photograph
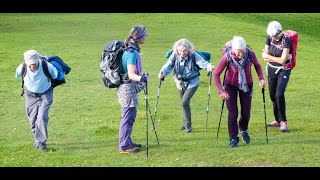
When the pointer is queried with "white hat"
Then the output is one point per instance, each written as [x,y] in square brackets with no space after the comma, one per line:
[31,57]
[238,43]
[274,28]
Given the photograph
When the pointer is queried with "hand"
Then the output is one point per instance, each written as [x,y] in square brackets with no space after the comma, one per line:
[144,78]
[224,95]
[211,68]
[264,55]
[262,83]
[160,76]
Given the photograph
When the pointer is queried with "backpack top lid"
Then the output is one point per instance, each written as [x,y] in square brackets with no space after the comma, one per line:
[113,45]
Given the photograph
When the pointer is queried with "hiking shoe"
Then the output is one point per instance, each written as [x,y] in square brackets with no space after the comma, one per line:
[234,143]
[245,136]
[189,130]
[274,124]
[130,150]
[40,146]
[136,145]
[283,126]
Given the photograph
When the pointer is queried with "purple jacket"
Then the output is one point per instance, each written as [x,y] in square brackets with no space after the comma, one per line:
[232,73]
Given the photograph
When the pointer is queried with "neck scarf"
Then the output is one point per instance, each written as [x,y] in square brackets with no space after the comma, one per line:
[242,80]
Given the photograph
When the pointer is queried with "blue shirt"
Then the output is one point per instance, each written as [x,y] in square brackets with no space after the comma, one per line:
[37,81]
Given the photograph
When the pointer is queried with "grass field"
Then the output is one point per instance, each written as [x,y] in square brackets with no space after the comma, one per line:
[84,118]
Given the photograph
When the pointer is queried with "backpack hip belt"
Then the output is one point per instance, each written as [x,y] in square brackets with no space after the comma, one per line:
[276,67]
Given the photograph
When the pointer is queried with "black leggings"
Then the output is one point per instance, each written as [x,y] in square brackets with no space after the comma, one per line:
[277,87]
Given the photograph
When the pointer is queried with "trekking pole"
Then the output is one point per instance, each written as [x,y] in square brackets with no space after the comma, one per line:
[224,78]
[265,113]
[155,109]
[147,126]
[209,89]
[152,120]
[220,117]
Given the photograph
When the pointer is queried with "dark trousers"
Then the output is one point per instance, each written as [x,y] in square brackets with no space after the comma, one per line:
[185,96]
[277,87]
[232,106]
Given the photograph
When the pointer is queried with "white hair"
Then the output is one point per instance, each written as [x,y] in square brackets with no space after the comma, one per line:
[185,43]
[274,28]
[238,42]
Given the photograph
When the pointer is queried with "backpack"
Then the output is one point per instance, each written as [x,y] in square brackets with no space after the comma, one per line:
[204,54]
[110,63]
[293,35]
[58,63]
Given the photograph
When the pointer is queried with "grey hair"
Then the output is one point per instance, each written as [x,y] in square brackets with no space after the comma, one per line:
[185,43]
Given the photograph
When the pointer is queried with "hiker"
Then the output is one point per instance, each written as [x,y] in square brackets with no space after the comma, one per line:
[276,54]
[238,81]
[186,75]
[38,95]
[128,91]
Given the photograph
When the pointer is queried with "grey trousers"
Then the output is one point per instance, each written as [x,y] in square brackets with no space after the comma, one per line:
[37,110]
[185,97]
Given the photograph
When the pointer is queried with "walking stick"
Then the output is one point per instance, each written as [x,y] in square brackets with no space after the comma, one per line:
[152,120]
[224,78]
[265,113]
[147,126]
[220,117]
[155,109]
[209,89]
[153,123]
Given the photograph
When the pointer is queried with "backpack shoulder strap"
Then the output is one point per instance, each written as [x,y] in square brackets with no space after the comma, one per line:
[23,74]
[193,56]
[45,68]
[249,56]
[194,60]
[24,70]
[228,54]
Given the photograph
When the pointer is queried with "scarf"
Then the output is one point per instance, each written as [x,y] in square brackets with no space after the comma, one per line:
[242,80]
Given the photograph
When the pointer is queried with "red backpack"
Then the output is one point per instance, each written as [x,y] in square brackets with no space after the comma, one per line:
[293,35]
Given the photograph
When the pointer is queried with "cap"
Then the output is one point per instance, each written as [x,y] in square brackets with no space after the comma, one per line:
[31,57]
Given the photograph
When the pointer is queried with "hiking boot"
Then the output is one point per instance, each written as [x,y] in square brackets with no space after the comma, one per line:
[189,130]
[136,145]
[130,150]
[245,136]
[234,143]
[41,146]
[283,126]
[274,124]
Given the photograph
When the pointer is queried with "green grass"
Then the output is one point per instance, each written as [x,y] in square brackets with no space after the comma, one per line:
[84,118]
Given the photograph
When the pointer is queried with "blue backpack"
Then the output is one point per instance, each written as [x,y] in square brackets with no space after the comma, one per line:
[58,63]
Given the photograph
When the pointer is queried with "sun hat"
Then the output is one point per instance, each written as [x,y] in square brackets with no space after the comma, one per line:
[31,57]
